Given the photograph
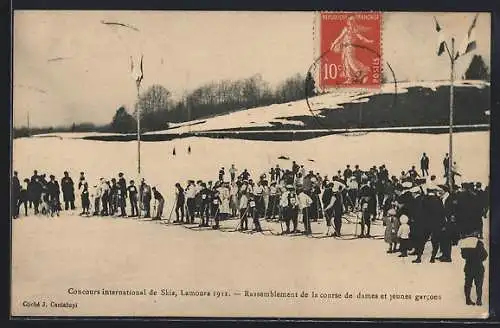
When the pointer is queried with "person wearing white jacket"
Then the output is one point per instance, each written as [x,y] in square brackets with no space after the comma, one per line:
[304,202]
[289,204]
[96,196]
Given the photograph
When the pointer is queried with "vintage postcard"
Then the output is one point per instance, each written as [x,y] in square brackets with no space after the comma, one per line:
[251,164]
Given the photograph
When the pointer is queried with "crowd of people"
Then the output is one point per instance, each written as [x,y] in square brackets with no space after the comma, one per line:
[413,207]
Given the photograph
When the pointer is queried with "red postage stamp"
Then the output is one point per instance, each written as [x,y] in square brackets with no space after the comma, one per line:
[350,50]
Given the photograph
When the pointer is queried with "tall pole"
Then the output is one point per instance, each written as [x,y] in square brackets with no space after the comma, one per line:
[450,163]
[138,118]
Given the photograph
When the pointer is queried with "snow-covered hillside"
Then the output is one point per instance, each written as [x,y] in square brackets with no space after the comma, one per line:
[268,116]
[278,113]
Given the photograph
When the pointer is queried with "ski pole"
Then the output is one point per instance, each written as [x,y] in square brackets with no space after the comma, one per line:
[172,210]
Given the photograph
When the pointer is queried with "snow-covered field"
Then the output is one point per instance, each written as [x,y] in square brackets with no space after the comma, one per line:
[262,117]
[51,255]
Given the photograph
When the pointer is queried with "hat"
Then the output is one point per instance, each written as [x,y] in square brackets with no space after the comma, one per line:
[407,185]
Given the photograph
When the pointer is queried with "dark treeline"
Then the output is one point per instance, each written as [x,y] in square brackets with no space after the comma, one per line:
[214,98]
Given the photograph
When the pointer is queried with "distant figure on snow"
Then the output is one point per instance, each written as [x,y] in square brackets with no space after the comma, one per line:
[173,152]
[189,150]
[424,165]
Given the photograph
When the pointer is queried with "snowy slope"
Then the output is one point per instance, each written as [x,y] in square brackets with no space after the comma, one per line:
[277,113]
[263,117]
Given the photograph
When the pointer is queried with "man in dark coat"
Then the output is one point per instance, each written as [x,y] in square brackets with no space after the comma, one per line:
[334,207]
[23,198]
[347,173]
[326,200]
[122,190]
[54,191]
[419,227]
[436,219]
[469,211]
[474,254]
[15,195]
[424,165]
[206,200]
[68,190]
[449,235]
[35,190]
[132,194]
[145,196]
[160,202]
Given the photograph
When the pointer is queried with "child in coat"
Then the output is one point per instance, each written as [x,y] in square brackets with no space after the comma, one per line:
[391,223]
[403,235]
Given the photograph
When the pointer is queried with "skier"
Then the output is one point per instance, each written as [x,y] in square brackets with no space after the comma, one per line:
[233,198]
[81,180]
[365,219]
[424,165]
[145,196]
[206,201]
[68,190]
[327,199]
[243,207]
[245,175]
[85,199]
[53,192]
[179,203]
[113,197]
[122,188]
[23,197]
[258,197]
[232,172]
[304,203]
[173,152]
[160,202]
[221,174]
[15,195]
[105,198]
[189,150]
[436,216]
[190,201]
[474,254]
[97,193]
[289,204]
[413,174]
[391,229]
[132,194]
[277,173]
[215,210]
[272,208]
[347,173]
[336,204]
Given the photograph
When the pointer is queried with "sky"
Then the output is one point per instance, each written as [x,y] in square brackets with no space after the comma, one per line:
[69,67]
